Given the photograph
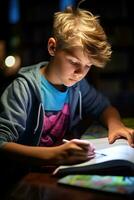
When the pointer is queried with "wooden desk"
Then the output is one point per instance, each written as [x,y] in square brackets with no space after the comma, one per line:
[41,186]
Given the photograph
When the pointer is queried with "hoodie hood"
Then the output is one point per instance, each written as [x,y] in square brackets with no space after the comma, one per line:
[32,76]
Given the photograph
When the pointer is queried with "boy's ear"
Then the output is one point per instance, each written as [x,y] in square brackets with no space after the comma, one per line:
[51,46]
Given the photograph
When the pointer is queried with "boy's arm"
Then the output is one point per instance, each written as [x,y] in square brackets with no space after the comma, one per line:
[111,118]
[69,153]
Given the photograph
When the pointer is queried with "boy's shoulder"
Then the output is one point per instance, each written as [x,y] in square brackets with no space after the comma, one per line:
[31,68]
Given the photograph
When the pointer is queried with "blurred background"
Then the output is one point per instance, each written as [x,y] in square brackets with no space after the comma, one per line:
[25,26]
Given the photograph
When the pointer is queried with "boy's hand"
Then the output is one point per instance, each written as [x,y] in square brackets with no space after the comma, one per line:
[111,118]
[119,132]
[89,147]
[75,151]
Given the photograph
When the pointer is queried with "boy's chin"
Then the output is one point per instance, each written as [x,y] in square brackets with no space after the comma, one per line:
[69,84]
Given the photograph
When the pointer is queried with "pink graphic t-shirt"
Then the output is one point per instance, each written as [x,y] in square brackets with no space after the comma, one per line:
[56,118]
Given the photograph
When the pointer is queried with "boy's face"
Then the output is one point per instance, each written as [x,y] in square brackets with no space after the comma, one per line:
[70,66]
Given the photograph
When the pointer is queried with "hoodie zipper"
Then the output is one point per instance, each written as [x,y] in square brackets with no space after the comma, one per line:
[38,118]
[80,104]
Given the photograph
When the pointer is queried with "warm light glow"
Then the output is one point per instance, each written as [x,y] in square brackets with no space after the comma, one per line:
[10,61]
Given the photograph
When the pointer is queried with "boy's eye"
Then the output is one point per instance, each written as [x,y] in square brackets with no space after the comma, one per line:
[73,62]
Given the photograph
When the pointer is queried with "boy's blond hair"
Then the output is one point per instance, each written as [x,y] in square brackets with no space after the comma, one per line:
[80,28]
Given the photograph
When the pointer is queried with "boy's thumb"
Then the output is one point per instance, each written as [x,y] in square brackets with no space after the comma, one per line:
[111,139]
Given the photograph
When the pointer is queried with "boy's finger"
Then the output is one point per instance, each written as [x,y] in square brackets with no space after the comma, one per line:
[130,138]
[85,144]
[77,152]
[112,138]
[83,156]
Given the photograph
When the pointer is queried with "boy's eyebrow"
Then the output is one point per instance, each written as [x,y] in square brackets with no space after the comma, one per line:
[75,57]
[72,55]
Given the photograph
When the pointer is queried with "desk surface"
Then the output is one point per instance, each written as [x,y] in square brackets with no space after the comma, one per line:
[41,186]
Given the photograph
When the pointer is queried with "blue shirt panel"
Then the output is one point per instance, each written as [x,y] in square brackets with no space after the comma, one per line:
[53,99]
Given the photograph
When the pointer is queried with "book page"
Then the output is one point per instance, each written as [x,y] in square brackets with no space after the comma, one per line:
[101,143]
[114,152]
[122,152]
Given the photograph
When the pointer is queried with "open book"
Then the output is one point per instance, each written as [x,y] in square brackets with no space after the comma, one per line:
[109,158]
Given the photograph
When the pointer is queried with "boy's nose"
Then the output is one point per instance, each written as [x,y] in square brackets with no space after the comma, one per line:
[78,71]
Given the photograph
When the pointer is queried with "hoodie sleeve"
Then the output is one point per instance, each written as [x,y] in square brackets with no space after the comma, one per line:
[93,102]
[14,106]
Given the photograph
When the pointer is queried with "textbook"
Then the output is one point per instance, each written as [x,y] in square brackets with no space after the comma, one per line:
[109,159]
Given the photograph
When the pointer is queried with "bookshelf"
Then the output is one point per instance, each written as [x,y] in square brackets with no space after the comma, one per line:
[36,23]
[116,80]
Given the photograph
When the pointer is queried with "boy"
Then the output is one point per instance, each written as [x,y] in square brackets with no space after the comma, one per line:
[46,101]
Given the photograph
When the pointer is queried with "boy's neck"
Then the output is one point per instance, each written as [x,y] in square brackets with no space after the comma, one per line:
[48,74]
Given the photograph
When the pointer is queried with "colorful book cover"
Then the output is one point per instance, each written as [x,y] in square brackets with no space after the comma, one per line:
[115,184]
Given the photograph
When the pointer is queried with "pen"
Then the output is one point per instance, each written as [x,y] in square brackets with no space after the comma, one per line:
[65,141]
[102,154]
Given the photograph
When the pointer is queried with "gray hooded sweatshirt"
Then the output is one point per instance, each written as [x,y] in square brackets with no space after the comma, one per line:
[22,112]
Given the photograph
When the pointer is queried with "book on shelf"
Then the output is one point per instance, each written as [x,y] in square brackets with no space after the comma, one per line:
[109,158]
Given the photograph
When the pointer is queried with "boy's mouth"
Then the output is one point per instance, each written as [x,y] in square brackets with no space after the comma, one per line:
[73,80]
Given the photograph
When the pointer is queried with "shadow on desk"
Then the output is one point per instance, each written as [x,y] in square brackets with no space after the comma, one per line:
[10,174]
